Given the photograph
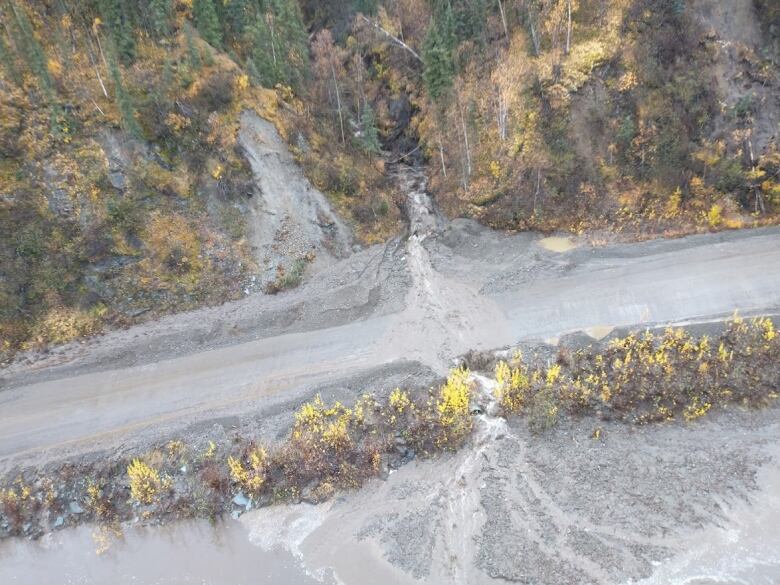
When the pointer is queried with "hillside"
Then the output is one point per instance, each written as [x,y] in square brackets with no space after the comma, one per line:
[125,193]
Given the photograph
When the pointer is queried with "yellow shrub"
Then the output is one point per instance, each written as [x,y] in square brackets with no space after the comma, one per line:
[252,475]
[63,324]
[399,400]
[511,384]
[672,208]
[696,409]
[715,216]
[454,396]
[145,482]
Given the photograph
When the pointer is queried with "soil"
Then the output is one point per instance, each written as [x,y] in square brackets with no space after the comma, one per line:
[557,508]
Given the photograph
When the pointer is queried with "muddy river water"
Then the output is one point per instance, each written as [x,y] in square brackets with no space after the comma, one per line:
[266,547]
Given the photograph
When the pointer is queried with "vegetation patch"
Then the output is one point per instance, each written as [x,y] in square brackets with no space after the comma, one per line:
[330,447]
[641,378]
[645,377]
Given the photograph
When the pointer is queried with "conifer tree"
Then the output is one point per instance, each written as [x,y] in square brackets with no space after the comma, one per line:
[290,35]
[369,138]
[437,55]
[367,7]
[159,14]
[236,14]
[193,54]
[279,44]
[8,61]
[124,102]
[263,60]
[116,15]
[29,48]
[207,21]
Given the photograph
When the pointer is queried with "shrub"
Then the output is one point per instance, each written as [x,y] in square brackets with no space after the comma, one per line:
[145,482]
[715,216]
[249,471]
[649,377]
[452,407]
[512,385]
[288,278]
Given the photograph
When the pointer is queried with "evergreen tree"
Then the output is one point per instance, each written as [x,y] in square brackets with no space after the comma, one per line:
[437,55]
[369,139]
[193,54]
[159,14]
[124,102]
[236,14]
[367,7]
[166,79]
[8,60]
[29,48]
[279,45]
[207,21]
[467,17]
[290,35]
[263,60]
[116,14]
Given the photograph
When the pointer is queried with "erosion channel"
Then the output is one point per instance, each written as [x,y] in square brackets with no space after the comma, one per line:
[672,503]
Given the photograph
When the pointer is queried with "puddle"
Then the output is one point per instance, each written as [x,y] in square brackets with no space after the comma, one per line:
[599,332]
[558,244]
[182,553]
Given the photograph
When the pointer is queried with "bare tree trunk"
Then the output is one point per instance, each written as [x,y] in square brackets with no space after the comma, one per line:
[535,39]
[466,148]
[568,28]
[100,49]
[338,103]
[502,113]
[395,39]
[465,137]
[273,39]
[97,69]
[441,157]
[759,199]
[503,19]
[538,186]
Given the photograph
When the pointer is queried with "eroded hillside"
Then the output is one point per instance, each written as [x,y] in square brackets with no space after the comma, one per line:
[125,192]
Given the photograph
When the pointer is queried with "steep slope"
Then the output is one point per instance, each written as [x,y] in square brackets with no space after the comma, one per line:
[291,221]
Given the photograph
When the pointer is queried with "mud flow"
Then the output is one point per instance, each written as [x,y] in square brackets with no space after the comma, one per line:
[660,505]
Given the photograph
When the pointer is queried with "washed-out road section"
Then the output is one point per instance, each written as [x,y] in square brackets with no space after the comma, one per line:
[480,290]
[446,288]
[510,507]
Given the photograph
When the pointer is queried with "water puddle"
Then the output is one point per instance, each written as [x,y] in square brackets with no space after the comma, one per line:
[599,332]
[182,553]
[558,244]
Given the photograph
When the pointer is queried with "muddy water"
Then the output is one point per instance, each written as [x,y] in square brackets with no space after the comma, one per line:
[558,244]
[190,552]
[304,544]
[743,550]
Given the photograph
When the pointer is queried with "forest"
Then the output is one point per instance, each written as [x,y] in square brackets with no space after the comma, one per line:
[122,186]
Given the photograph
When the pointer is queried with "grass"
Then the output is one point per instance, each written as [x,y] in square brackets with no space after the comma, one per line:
[288,278]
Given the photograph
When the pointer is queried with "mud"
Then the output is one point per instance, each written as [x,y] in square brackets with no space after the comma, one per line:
[189,552]
[665,504]
[558,244]
[557,508]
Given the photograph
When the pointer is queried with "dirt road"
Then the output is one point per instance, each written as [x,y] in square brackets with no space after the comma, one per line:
[509,507]
[448,288]
[506,289]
